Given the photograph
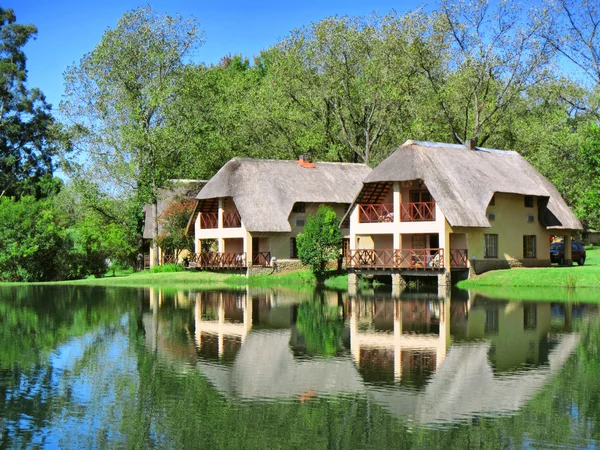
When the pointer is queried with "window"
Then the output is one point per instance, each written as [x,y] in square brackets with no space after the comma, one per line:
[490,245]
[491,216]
[300,222]
[493,201]
[491,321]
[293,248]
[529,317]
[530,219]
[529,247]
[529,201]
[299,207]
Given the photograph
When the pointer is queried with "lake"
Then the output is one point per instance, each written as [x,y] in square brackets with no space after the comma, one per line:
[90,367]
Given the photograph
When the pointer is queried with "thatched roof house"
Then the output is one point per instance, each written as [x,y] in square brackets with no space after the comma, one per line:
[180,189]
[462,181]
[264,191]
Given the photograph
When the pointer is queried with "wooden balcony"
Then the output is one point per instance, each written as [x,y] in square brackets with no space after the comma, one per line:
[376,212]
[417,212]
[384,212]
[209,220]
[232,220]
[217,260]
[261,259]
[459,257]
[426,259]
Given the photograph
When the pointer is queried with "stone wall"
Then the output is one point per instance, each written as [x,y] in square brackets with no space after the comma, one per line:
[281,266]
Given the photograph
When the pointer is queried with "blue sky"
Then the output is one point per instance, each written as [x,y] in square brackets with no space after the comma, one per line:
[68,29]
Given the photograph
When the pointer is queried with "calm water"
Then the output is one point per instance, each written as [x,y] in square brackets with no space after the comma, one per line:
[93,367]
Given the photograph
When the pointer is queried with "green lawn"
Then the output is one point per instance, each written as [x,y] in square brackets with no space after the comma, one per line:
[587,275]
[206,280]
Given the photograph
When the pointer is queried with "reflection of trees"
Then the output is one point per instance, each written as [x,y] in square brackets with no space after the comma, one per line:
[135,399]
[321,327]
[38,327]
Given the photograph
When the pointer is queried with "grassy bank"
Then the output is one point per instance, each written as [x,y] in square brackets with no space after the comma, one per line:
[206,280]
[586,276]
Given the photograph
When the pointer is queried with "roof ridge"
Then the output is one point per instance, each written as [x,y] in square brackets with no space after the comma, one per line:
[247,159]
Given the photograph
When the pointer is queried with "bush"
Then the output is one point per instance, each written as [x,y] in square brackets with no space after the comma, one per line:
[37,245]
[168,268]
[321,241]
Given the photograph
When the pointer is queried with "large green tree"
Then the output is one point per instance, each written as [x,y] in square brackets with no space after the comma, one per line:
[27,129]
[477,59]
[348,81]
[117,97]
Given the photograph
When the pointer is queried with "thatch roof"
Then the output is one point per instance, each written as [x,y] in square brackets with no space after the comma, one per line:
[182,189]
[265,368]
[463,181]
[264,191]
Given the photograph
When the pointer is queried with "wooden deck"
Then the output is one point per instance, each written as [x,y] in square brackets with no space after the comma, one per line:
[413,259]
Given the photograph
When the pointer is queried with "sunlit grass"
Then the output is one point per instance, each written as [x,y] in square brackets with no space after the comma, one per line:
[576,276]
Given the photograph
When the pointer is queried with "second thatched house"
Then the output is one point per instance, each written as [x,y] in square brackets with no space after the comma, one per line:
[177,192]
[431,207]
[251,211]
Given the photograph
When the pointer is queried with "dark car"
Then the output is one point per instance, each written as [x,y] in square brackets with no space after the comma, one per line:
[557,253]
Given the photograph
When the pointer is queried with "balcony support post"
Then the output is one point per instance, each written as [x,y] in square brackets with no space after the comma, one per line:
[220,215]
[397,203]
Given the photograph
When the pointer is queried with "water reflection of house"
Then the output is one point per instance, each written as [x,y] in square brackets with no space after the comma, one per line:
[425,360]
[517,332]
[262,364]
[502,353]
[391,340]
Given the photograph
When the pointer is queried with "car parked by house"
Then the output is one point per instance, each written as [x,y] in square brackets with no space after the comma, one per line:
[557,253]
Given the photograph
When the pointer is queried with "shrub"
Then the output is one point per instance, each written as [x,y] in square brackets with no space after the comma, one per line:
[168,268]
[321,241]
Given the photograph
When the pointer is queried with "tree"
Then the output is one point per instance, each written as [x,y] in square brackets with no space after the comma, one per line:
[479,57]
[117,99]
[575,35]
[349,81]
[174,239]
[321,326]
[27,128]
[321,240]
[588,206]
[37,245]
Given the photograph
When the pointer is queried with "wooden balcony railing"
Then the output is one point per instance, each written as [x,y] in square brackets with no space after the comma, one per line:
[426,258]
[261,259]
[216,260]
[209,220]
[459,257]
[146,261]
[168,259]
[376,212]
[417,212]
[384,212]
[232,220]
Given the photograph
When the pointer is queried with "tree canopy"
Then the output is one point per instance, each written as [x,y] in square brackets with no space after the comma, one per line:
[28,133]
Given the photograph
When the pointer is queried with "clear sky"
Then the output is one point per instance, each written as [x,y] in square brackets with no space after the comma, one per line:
[67,29]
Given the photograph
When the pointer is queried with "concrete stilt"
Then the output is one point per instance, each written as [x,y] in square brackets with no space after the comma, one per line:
[444,278]
[352,284]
